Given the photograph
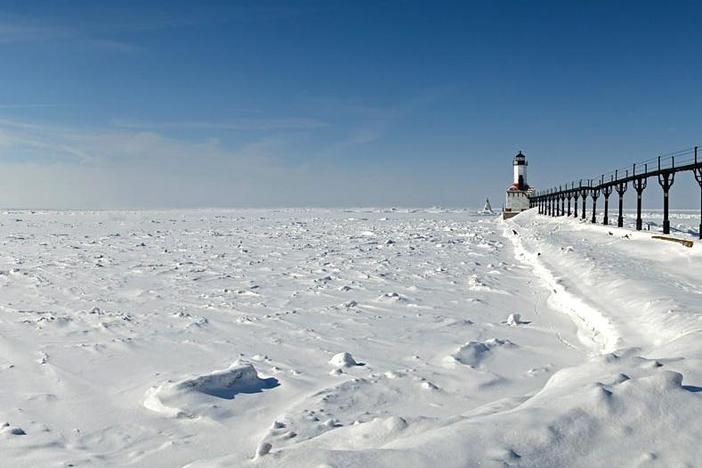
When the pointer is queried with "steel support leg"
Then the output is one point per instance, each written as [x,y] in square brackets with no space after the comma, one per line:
[621,189]
[640,186]
[666,181]
[605,221]
[666,220]
[594,210]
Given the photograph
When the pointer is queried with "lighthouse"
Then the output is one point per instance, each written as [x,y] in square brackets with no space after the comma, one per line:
[520,171]
[517,198]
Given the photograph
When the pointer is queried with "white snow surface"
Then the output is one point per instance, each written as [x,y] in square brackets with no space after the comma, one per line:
[205,338]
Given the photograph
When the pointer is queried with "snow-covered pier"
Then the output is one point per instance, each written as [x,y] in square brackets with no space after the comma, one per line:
[552,201]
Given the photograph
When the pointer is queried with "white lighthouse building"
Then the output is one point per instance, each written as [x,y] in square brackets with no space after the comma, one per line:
[519,192]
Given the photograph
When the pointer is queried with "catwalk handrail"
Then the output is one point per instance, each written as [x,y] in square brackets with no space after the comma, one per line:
[664,163]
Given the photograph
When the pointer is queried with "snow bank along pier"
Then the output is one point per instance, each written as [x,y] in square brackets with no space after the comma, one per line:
[557,201]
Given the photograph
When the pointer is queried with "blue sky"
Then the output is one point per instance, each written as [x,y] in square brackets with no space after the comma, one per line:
[336,103]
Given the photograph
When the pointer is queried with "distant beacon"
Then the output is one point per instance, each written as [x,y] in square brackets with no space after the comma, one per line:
[519,192]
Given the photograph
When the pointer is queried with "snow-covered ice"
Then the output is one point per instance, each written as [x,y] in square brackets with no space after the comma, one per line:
[206,338]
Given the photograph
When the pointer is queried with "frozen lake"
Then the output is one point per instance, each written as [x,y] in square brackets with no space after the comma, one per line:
[216,337]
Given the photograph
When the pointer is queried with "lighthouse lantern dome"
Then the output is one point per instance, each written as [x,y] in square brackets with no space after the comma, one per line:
[520,160]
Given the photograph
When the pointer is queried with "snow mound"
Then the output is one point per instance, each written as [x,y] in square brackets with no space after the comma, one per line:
[514,320]
[472,353]
[191,397]
[7,429]
[477,284]
[393,297]
[343,360]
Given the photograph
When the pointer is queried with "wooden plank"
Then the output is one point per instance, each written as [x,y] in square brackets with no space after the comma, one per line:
[685,242]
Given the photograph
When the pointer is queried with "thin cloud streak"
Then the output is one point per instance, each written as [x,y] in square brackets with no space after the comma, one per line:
[238,124]
[26,106]
[12,33]
[109,147]
[15,30]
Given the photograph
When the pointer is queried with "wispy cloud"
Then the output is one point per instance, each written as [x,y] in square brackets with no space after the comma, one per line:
[115,45]
[26,106]
[369,122]
[37,142]
[64,167]
[263,124]
[107,26]
[108,147]
[19,29]
[48,166]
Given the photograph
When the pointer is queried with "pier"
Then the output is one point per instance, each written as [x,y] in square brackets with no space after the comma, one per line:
[662,169]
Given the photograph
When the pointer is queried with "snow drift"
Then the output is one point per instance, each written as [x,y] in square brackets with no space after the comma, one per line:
[189,397]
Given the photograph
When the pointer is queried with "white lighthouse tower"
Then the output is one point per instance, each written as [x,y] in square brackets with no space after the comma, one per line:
[519,192]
